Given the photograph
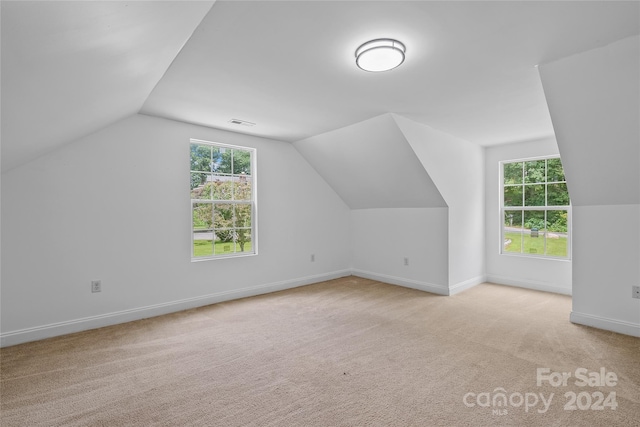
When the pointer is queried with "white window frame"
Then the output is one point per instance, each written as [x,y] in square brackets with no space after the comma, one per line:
[253,202]
[545,208]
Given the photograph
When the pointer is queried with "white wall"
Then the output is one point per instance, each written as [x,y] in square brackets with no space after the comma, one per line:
[399,176]
[606,265]
[114,206]
[382,238]
[397,210]
[457,168]
[530,272]
[594,101]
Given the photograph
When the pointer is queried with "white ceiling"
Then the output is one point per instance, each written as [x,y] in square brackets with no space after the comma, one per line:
[70,68]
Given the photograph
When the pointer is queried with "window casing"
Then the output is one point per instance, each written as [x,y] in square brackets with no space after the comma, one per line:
[223,200]
[535,209]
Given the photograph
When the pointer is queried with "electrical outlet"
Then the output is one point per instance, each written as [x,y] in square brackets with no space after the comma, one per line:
[313,257]
[636,291]
[96,286]
[406,261]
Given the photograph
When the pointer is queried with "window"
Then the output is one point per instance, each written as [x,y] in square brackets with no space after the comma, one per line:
[223,201]
[535,208]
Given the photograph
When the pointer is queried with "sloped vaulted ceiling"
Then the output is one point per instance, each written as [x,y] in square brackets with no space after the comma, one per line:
[70,68]
[600,150]
[371,165]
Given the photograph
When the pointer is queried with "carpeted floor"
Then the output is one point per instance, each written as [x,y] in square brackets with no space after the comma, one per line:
[348,352]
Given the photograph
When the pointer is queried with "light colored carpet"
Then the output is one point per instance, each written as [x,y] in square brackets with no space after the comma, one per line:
[348,352]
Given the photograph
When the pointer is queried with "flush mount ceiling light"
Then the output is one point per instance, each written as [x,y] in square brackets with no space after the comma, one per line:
[380,55]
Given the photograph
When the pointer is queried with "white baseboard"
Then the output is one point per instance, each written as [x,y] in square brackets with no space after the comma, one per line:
[529,284]
[619,326]
[407,283]
[467,284]
[108,319]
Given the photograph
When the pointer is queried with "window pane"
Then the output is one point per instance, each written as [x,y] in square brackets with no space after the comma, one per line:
[534,219]
[534,195]
[222,187]
[202,191]
[197,179]
[513,196]
[557,245]
[200,158]
[534,231]
[555,172]
[243,216]
[557,195]
[557,221]
[243,240]
[513,219]
[557,237]
[202,244]
[223,247]
[224,233]
[241,162]
[513,173]
[222,160]
[534,171]
[242,188]
[512,242]
[202,216]
[512,231]
[223,219]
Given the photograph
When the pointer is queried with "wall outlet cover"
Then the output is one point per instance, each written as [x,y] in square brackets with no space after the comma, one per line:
[96,286]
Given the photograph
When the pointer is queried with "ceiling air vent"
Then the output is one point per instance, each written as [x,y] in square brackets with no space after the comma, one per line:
[241,122]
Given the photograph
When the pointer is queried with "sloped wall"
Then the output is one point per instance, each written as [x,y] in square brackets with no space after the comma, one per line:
[114,206]
[457,168]
[397,212]
[429,206]
[371,165]
[594,101]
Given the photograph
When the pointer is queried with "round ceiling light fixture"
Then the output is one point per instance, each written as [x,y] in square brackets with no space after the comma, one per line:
[380,55]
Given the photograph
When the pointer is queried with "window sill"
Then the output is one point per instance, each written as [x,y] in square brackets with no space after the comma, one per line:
[542,257]
[219,257]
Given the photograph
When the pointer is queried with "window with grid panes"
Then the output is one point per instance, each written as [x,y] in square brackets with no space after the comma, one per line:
[223,200]
[535,208]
